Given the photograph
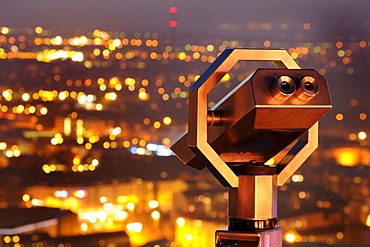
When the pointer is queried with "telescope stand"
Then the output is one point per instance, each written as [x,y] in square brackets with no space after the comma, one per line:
[270,238]
[273,113]
[253,211]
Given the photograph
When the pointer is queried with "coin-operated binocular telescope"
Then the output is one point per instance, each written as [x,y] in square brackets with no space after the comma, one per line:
[254,138]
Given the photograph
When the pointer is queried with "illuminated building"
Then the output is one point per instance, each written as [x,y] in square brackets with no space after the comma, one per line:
[143,208]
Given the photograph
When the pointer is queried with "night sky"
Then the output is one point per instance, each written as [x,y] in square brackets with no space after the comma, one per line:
[195,17]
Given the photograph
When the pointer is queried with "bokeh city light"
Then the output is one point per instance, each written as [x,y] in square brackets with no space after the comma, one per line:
[88,115]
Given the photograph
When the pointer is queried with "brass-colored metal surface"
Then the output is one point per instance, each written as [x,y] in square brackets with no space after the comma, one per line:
[308,88]
[307,143]
[262,190]
[269,238]
[213,118]
[282,88]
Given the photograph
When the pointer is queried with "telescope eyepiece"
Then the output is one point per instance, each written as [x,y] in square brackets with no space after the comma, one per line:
[282,88]
[309,87]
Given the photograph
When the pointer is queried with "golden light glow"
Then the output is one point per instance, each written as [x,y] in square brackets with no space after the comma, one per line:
[103,199]
[67,126]
[134,227]
[166,142]
[58,139]
[95,162]
[126,144]
[306,26]
[113,81]
[363,116]
[210,48]
[63,95]
[57,40]
[368,221]
[180,221]
[77,57]
[79,194]
[8,94]
[46,168]
[302,195]
[76,160]
[189,237]
[297,178]
[38,30]
[37,202]
[290,237]
[108,206]
[347,159]
[182,56]
[339,117]
[26,197]
[270,162]
[3,145]
[225,78]
[4,30]
[167,120]
[110,96]
[267,43]
[16,240]
[16,153]
[294,55]
[121,215]
[4,108]
[26,97]
[118,87]
[84,227]
[351,156]
[99,107]
[352,136]
[142,143]
[340,235]
[362,135]
[153,204]
[130,81]
[143,95]
[130,206]
[157,124]
[7,239]
[135,141]
[155,215]
[44,111]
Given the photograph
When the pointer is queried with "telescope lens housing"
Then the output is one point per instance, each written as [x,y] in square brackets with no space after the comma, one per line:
[308,88]
[282,88]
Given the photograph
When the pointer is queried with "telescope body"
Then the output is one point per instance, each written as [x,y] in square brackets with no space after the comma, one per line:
[253,125]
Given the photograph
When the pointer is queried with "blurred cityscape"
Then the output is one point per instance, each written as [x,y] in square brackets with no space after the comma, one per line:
[87,121]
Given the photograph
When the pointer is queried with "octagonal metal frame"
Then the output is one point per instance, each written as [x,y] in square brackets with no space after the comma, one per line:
[198,107]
